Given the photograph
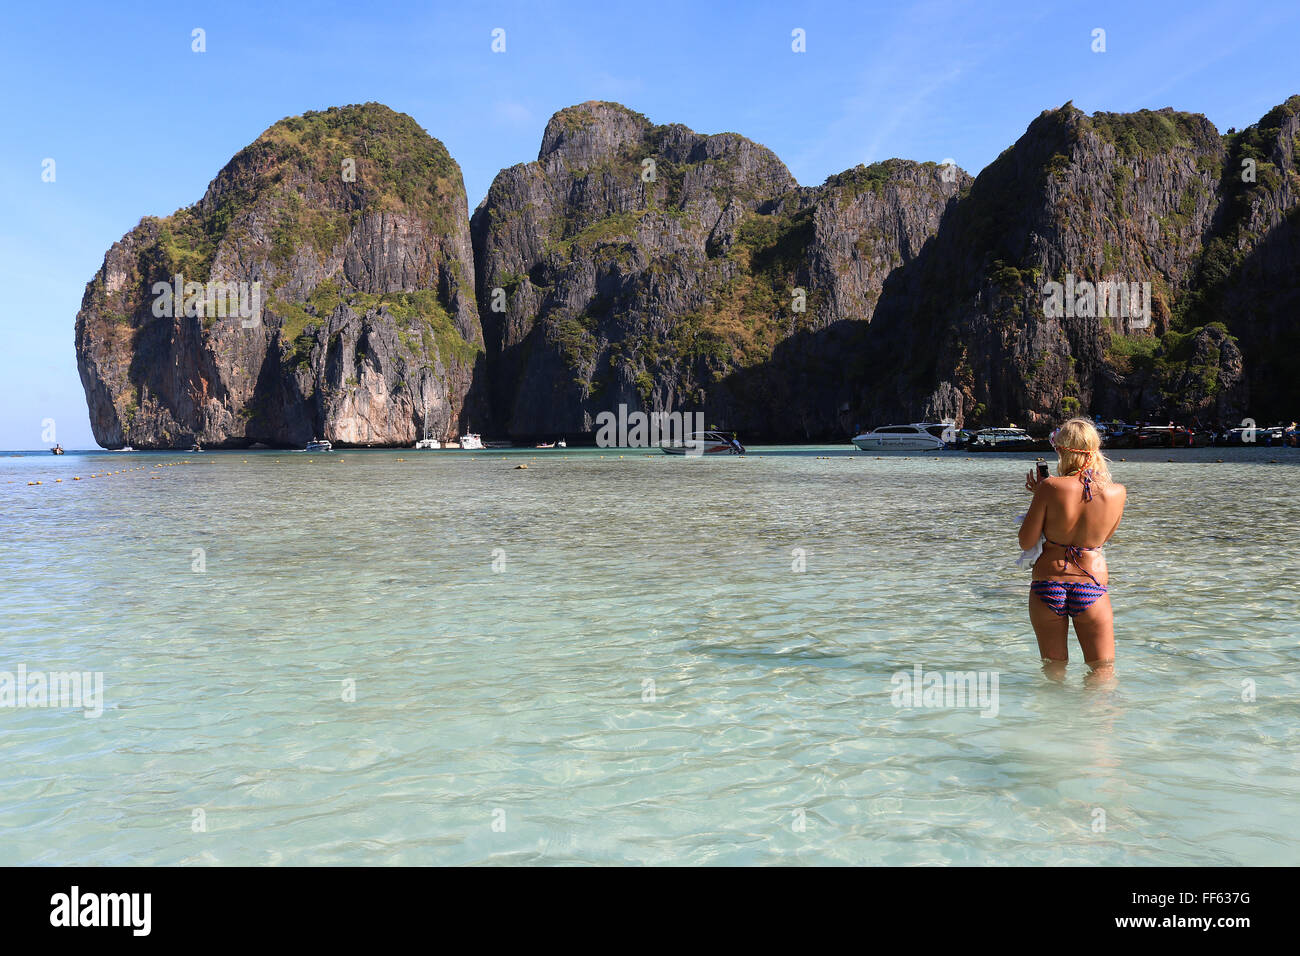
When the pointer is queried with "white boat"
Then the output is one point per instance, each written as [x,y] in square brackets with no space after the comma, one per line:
[919,436]
[1002,437]
[561,444]
[426,443]
[470,441]
[319,444]
[704,443]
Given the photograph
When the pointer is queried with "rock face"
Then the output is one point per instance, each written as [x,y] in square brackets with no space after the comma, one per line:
[347,234]
[1150,197]
[923,290]
[665,270]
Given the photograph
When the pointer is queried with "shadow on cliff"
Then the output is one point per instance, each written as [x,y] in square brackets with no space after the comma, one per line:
[805,392]
[1258,300]
[477,412]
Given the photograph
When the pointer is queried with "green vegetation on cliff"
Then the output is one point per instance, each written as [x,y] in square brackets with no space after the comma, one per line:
[1146,132]
[294,173]
[424,326]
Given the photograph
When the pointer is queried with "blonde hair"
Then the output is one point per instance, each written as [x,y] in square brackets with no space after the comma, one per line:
[1078,448]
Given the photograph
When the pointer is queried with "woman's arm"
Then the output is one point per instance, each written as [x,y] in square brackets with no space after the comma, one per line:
[1123,500]
[1035,518]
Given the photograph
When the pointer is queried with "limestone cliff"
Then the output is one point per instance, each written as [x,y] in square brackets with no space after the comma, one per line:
[668,270]
[347,232]
[1151,197]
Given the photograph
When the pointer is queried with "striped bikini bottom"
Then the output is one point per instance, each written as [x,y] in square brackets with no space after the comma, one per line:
[1067,597]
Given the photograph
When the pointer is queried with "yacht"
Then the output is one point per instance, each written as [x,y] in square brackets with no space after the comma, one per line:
[704,443]
[470,441]
[426,443]
[319,444]
[921,436]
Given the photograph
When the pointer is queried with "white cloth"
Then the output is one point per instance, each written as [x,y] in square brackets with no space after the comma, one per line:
[1028,557]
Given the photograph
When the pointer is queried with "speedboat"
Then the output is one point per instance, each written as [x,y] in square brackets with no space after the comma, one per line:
[319,444]
[545,444]
[704,443]
[56,450]
[471,441]
[561,444]
[426,443]
[920,436]
[1007,438]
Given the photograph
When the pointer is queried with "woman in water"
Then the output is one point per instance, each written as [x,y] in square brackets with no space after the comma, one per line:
[1076,512]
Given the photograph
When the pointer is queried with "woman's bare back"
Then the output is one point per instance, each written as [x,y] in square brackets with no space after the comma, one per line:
[1068,519]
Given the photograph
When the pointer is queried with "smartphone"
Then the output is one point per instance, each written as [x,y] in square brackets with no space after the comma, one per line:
[1042,470]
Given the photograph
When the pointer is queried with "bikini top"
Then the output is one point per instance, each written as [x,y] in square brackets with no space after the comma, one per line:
[1073,555]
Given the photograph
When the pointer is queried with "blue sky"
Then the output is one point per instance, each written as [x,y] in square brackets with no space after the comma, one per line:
[138,124]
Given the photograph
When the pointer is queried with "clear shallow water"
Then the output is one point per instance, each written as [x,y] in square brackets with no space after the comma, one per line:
[524,690]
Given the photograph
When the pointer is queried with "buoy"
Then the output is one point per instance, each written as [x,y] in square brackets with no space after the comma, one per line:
[517,467]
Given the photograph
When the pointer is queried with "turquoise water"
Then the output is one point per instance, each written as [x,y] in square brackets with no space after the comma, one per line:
[506,715]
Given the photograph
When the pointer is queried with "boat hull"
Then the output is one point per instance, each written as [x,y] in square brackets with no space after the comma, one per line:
[901,443]
[695,452]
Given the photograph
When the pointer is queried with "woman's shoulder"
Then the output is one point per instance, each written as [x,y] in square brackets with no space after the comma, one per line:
[1061,483]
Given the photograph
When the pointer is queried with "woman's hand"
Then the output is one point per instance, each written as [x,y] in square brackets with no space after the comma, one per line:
[1031,480]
